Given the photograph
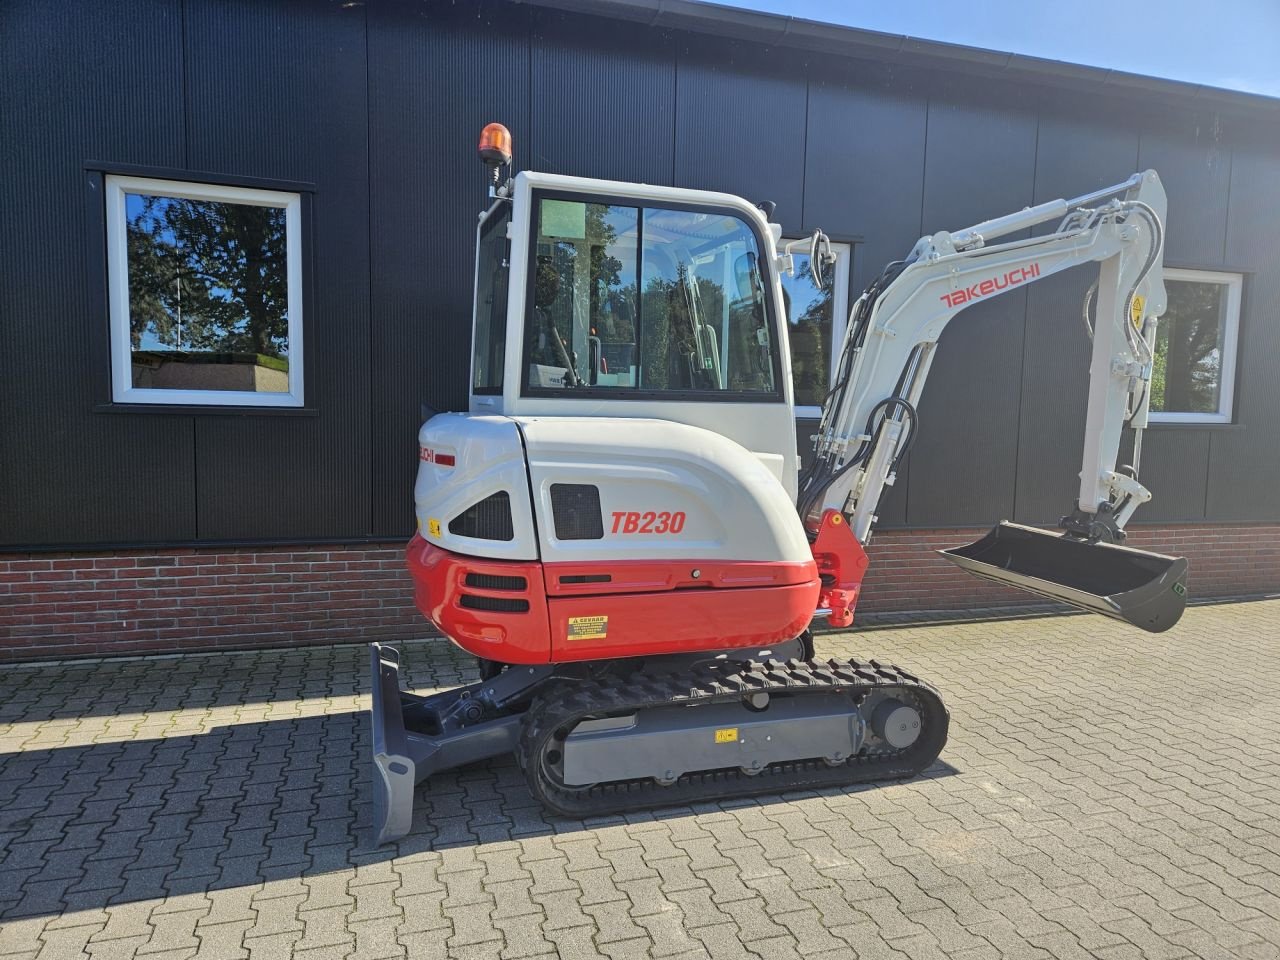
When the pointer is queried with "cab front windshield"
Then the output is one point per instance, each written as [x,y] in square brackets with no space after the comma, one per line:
[642,299]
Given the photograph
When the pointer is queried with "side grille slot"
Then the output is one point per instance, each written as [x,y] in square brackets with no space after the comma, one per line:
[496,604]
[587,578]
[490,519]
[576,510]
[491,581]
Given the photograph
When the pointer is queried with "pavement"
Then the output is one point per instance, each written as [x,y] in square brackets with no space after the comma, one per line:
[1105,793]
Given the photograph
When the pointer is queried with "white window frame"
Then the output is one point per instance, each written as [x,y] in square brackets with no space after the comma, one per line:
[122,389]
[839,312]
[1234,283]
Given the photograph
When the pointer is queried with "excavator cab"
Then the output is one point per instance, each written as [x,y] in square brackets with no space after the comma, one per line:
[1147,590]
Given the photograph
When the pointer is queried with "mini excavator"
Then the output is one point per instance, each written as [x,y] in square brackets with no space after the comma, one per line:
[619,528]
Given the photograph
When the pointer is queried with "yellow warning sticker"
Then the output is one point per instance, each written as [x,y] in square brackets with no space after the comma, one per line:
[433,526]
[588,628]
[1137,309]
[727,735]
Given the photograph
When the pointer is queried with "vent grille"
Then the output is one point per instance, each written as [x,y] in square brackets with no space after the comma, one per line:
[498,604]
[576,509]
[490,519]
[492,581]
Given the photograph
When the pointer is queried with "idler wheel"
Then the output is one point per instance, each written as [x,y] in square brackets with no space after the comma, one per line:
[896,723]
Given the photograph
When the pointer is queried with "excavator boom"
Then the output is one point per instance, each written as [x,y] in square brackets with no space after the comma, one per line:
[870,418]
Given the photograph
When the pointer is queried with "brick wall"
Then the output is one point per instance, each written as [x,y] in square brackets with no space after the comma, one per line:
[62,605]
[123,602]
[907,574]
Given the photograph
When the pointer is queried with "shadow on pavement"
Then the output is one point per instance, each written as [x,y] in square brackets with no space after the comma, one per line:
[76,689]
[84,827]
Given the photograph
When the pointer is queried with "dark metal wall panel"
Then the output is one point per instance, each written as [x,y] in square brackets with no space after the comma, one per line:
[864,177]
[68,93]
[980,161]
[258,477]
[1081,150]
[1054,399]
[740,122]
[1077,151]
[1195,167]
[379,105]
[436,76]
[278,91]
[864,165]
[1244,463]
[1174,468]
[602,100]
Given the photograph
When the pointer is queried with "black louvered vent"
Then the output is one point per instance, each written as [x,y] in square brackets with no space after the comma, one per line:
[491,581]
[500,604]
[490,519]
[576,508]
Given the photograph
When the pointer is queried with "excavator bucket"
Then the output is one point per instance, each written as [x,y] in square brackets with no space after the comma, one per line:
[1145,589]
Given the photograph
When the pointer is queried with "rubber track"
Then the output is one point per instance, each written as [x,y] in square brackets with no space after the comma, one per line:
[566,703]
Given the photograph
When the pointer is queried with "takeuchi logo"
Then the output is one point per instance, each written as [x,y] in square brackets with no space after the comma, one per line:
[985,288]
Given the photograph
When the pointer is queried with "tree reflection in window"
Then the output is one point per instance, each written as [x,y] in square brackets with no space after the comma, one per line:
[1187,374]
[208,288]
[648,299]
[809,315]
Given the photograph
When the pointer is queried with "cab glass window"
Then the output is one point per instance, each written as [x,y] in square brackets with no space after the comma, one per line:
[492,269]
[815,325]
[642,300]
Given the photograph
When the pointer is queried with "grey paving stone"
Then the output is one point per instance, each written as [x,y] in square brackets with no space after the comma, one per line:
[1084,811]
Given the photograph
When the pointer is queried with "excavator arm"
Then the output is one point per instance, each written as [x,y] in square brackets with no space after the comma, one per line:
[870,417]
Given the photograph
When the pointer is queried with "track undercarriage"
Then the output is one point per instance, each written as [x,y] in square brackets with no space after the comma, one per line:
[613,736]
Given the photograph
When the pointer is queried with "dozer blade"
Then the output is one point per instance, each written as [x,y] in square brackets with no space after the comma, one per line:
[414,736]
[394,774]
[1145,589]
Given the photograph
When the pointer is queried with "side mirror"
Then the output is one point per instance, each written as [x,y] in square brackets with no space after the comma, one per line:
[821,259]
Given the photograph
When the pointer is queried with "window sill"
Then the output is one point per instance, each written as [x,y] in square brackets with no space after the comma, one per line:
[1194,425]
[197,409]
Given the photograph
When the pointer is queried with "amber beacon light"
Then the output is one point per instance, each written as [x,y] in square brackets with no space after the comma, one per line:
[495,147]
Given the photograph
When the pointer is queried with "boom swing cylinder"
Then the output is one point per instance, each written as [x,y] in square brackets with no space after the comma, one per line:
[618,529]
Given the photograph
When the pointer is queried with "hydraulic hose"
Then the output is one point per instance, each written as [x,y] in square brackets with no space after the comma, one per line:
[815,490]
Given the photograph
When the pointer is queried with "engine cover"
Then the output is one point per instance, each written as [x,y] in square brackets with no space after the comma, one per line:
[548,540]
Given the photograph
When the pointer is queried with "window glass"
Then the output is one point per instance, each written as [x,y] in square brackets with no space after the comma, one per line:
[208,295]
[203,293]
[815,325]
[492,270]
[646,299]
[1193,374]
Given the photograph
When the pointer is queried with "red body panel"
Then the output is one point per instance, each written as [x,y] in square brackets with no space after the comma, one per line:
[646,576]
[439,584]
[646,624]
[647,608]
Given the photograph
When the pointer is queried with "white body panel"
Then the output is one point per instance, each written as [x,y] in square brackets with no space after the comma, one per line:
[732,506]
[488,458]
